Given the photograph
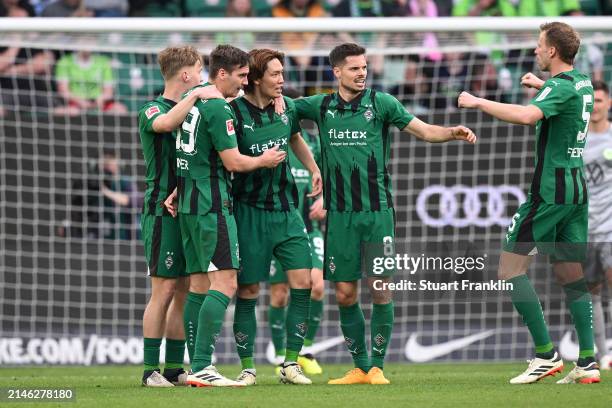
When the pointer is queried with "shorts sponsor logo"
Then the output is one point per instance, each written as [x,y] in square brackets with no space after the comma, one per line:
[461,206]
[151,111]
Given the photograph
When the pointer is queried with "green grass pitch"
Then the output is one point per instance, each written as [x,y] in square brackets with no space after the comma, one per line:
[415,385]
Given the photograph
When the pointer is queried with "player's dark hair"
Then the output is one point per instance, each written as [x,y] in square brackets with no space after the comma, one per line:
[338,55]
[258,64]
[172,59]
[600,86]
[228,58]
[564,38]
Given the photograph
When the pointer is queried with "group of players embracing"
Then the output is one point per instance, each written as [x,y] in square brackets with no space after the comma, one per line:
[234,199]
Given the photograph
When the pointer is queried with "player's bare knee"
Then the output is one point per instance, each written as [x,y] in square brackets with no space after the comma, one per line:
[250,291]
[346,297]
[317,290]
[279,294]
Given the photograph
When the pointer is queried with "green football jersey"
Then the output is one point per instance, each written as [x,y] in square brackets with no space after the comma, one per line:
[355,147]
[303,179]
[159,156]
[567,102]
[203,183]
[257,130]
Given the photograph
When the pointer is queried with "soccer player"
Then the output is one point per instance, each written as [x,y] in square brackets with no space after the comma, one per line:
[555,215]
[267,218]
[312,213]
[207,150]
[355,143]
[598,166]
[157,120]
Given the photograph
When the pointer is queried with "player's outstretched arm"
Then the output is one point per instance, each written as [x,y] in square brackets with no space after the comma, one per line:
[439,134]
[233,160]
[175,116]
[518,114]
[303,153]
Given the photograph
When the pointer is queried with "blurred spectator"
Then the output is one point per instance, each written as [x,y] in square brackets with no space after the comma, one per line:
[156,8]
[67,8]
[205,8]
[412,90]
[102,202]
[446,80]
[24,72]
[85,81]
[478,8]
[425,8]
[238,8]
[549,8]
[365,8]
[484,79]
[16,8]
[298,41]
[107,8]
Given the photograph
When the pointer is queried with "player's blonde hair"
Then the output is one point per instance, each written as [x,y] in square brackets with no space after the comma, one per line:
[172,59]
[564,38]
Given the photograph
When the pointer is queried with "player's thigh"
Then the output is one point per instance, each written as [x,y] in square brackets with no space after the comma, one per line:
[187,223]
[533,228]
[379,243]
[255,242]
[163,248]
[292,244]
[572,234]
[342,258]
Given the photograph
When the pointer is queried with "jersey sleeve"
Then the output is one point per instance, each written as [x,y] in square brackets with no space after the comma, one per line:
[293,116]
[147,115]
[393,111]
[551,97]
[221,124]
[308,108]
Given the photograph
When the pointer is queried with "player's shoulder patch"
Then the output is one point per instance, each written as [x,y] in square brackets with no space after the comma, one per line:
[229,127]
[152,111]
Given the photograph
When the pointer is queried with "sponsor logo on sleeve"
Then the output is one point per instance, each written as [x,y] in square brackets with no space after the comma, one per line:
[229,127]
[151,111]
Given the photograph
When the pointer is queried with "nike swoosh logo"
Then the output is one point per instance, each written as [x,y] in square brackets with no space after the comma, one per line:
[420,354]
[317,347]
[570,350]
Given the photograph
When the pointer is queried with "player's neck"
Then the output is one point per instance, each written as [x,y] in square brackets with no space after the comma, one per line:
[174,91]
[599,127]
[258,99]
[560,67]
[347,95]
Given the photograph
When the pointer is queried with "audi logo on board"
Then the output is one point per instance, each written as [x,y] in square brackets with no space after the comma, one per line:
[472,200]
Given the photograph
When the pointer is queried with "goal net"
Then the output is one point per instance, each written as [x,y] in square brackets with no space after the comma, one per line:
[73,284]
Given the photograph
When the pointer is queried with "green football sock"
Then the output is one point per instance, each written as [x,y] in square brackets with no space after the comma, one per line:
[276,322]
[526,302]
[352,324]
[151,353]
[381,328]
[193,304]
[579,304]
[245,330]
[316,311]
[175,353]
[297,322]
[210,323]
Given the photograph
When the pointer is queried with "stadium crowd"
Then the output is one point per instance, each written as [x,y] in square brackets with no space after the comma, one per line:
[72,83]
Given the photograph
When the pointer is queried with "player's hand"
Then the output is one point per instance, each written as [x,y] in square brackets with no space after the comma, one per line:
[467,100]
[463,133]
[529,80]
[208,92]
[171,204]
[279,104]
[273,157]
[317,184]
[317,212]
